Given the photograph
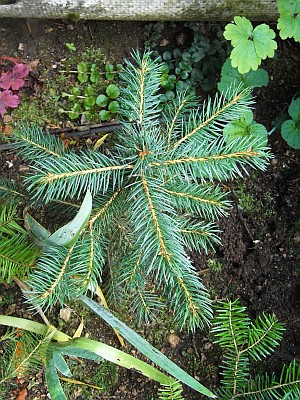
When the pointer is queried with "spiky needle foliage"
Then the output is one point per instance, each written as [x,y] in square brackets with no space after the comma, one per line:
[155,192]
[242,341]
[17,254]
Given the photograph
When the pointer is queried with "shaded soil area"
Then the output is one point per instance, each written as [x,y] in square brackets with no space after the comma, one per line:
[259,260]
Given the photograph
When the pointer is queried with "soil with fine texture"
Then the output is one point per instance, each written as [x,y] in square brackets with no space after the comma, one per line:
[259,260]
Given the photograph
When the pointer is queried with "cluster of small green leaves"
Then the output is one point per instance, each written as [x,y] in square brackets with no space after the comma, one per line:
[243,341]
[87,97]
[184,69]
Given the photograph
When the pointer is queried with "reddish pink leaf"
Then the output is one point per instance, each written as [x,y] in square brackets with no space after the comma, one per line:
[15,78]
[8,99]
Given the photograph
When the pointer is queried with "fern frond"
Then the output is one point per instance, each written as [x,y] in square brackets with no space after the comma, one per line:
[171,392]
[33,143]
[72,174]
[204,201]
[10,192]
[139,96]
[199,235]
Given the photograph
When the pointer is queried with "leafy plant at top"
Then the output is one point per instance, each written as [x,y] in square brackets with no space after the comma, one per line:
[290,129]
[230,76]
[289,19]
[250,46]
[154,194]
[244,127]
[242,341]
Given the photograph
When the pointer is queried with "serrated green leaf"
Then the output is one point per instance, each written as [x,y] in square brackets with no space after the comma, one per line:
[243,57]
[67,235]
[289,19]
[230,76]
[89,102]
[243,127]
[239,32]
[83,77]
[250,45]
[263,41]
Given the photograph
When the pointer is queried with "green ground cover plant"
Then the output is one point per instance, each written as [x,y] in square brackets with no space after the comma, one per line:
[86,98]
[194,65]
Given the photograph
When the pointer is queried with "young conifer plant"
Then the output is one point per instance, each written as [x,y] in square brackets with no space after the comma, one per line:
[156,190]
[243,342]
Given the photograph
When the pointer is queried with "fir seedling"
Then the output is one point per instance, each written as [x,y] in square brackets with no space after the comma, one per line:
[290,129]
[155,192]
[244,341]
[250,45]
[289,19]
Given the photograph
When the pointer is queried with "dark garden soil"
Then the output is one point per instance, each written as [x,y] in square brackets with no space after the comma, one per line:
[259,260]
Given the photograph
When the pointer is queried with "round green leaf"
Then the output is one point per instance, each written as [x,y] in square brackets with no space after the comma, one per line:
[112,91]
[167,55]
[104,115]
[294,109]
[198,56]
[290,131]
[102,100]
[89,102]
[177,53]
[114,107]
[83,77]
[82,67]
